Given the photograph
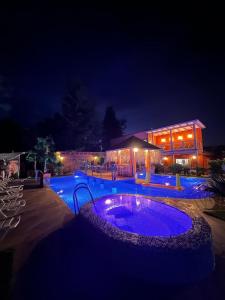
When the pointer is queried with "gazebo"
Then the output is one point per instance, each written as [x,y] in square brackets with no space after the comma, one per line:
[131,154]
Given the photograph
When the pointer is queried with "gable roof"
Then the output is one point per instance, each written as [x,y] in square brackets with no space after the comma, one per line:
[133,142]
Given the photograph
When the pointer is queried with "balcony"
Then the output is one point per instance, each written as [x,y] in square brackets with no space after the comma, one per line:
[181,145]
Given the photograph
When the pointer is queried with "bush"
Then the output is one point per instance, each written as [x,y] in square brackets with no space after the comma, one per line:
[176,168]
[159,168]
[216,166]
[200,171]
[217,185]
[186,170]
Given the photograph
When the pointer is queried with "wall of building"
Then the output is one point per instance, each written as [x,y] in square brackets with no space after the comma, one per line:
[73,160]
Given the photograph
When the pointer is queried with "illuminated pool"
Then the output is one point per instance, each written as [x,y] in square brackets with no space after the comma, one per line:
[150,240]
[142,215]
[64,187]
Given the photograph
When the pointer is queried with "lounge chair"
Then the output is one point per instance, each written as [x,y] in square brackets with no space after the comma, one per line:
[8,224]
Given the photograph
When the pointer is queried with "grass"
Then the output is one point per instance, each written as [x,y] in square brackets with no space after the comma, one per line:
[217,213]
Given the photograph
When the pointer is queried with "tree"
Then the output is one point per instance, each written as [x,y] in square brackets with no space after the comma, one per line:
[5,98]
[11,136]
[111,127]
[43,154]
[79,115]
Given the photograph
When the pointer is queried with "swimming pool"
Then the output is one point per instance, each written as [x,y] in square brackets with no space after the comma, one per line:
[141,215]
[148,239]
[64,187]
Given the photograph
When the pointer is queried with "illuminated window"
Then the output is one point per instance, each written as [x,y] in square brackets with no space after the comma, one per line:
[163,140]
[189,136]
[180,137]
[182,161]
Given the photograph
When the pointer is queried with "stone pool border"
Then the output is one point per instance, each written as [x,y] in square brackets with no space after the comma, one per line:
[196,237]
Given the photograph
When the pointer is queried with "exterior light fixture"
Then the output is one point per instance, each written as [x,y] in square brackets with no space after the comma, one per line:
[119,151]
[194,157]
[180,137]
[165,158]
[108,201]
[135,149]
[163,140]
[190,136]
[96,157]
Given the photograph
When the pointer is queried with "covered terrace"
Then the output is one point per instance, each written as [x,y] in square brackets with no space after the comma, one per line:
[132,155]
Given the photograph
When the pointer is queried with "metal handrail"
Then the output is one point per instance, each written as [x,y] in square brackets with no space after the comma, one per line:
[75,199]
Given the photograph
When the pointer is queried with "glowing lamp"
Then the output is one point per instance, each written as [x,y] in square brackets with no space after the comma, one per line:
[108,201]
[163,140]
[61,158]
[189,136]
[96,157]
[119,151]
[165,158]
[135,149]
[180,137]
[138,202]
[167,183]
[194,157]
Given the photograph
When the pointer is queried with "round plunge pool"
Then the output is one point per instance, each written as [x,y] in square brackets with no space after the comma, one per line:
[150,239]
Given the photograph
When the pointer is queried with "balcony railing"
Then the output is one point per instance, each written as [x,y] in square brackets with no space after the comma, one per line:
[177,145]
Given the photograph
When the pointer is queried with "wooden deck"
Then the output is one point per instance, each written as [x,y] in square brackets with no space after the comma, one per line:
[54,252]
[43,214]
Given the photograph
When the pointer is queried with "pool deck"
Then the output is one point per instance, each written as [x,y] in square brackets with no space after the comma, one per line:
[43,214]
[45,239]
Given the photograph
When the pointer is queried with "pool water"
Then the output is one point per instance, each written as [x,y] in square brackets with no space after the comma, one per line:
[64,187]
[140,215]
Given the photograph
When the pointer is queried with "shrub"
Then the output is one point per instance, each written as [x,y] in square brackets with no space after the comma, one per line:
[200,171]
[186,170]
[159,168]
[176,168]
[217,185]
[216,166]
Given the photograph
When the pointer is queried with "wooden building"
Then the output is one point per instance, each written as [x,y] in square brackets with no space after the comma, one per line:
[180,143]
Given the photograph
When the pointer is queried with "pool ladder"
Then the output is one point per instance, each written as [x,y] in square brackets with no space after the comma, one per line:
[75,199]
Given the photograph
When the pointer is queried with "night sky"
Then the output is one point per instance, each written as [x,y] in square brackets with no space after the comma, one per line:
[155,66]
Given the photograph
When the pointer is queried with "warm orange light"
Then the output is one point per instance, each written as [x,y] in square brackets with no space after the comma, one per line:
[194,157]
[163,140]
[61,158]
[96,157]
[165,158]
[135,149]
[119,151]
[180,137]
[189,136]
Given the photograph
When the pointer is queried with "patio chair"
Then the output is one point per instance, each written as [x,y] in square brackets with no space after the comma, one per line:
[8,224]
[11,207]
